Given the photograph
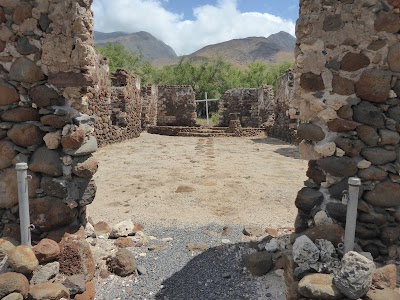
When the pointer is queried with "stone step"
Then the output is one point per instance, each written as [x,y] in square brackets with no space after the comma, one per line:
[203,134]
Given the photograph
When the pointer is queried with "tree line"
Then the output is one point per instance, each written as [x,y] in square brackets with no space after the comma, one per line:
[211,77]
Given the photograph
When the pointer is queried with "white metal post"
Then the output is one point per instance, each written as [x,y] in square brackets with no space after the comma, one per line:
[208,122]
[24,220]
[351,216]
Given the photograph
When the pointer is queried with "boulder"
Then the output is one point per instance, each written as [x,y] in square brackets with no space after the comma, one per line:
[75,284]
[9,187]
[8,94]
[20,114]
[89,146]
[5,246]
[123,263]
[378,156]
[48,213]
[304,251]
[44,96]
[354,61]
[25,70]
[73,140]
[13,296]
[340,125]
[25,135]
[53,140]
[84,166]
[386,194]
[308,198]
[102,228]
[311,82]
[55,121]
[89,293]
[123,229]
[374,85]
[393,57]
[13,282]
[44,273]
[319,286]
[385,277]
[46,161]
[368,114]
[310,132]
[22,259]
[331,232]
[7,154]
[382,294]
[46,250]
[258,263]
[338,166]
[76,257]
[355,276]
[123,242]
[46,291]
[55,187]
[373,173]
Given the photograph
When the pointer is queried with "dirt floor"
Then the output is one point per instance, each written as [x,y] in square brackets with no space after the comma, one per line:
[180,181]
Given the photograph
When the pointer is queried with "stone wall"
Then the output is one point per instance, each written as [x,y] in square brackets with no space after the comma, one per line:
[116,106]
[47,64]
[348,69]
[285,110]
[254,106]
[149,96]
[176,106]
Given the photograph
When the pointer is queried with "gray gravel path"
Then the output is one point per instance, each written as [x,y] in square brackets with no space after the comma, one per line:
[175,273]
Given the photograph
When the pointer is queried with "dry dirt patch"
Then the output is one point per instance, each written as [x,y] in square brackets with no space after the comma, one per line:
[226,181]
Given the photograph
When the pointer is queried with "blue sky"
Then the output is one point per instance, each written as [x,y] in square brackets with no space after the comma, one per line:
[188,25]
[288,9]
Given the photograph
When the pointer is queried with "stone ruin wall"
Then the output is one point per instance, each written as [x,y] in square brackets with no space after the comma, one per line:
[285,110]
[348,70]
[176,106]
[149,96]
[115,106]
[47,65]
[253,106]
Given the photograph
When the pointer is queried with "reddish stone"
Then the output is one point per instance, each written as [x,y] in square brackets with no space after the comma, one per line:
[25,70]
[76,257]
[49,213]
[332,232]
[394,3]
[374,86]
[123,242]
[385,277]
[3,18]
[12,232]
[339,125]
[47,250]
[13,282]
[73,140]
[71,79]
[89,294]
[20,114]
[46,161]
[311,82]
[72,229]
[384,294]
[394,58]
[8,94]
[7,154]
[385,194]
[9,187]
[55,121]
[102,228]
[44,96]
[84,166]
[48,290]
[26,135]
[342,86]
[22,259]
[388,22]
[354,61]
[22,12]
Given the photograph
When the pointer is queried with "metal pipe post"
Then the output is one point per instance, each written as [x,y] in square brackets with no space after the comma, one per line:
[351,216]
[208,122]
[22,177]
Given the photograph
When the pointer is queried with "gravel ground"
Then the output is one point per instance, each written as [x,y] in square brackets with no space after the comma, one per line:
[175,273]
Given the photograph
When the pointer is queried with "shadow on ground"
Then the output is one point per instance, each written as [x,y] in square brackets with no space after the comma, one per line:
[218,274]
[291,151]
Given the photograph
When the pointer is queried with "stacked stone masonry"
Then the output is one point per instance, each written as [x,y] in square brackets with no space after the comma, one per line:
[116,107]
[348,75]
[282,121]
[149,96]
[176,106]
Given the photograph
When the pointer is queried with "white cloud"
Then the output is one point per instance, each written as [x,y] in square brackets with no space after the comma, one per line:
[212,24]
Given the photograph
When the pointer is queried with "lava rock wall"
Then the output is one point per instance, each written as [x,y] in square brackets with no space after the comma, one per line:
[285,110]
[176,106]
[254,106]
[47,64]
[115,106]
[348,72]
[149,96]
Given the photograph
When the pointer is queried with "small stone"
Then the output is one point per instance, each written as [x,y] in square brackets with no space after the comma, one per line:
[258,263]
[104,273]
[46,161]
[123,229]
[89,146]
[185,189]
[25,70]
[378,156]
[197,247]
[373,173]
[13,296]
[354,61]
[311,82]
[304,251]
[355,275]
[123,264]
[7,154]
[22,259]
[73,139]
[25,135]
[44,291]
[385,277]
[5,246]
[368,114]
[20,114]
[382,294]
[142,270]
[310,132]
[226,275]
[44,96]
[339,166]
[363,164]
[340,125]
[308,198]
[388,22]
[55,121]
[13,282]
[253,231]
[374,86]
[393,57]
[102,228]
[333,233]
[319,286]
[46,250]
[53,140]
[75,284]
[89,293]
[123,242]
[84,166]
[45,272]
[8,94]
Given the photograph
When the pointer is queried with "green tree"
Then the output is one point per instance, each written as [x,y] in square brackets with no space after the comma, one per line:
[120,58]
